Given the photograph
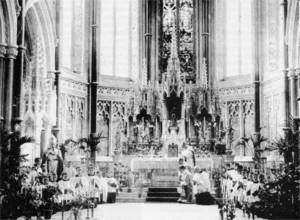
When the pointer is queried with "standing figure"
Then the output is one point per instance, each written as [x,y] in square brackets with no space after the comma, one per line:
[112,188]
[185,183]
[52,158]
[94,186]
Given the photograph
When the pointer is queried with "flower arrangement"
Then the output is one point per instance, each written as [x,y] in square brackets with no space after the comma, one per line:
[227,209]
[48,195]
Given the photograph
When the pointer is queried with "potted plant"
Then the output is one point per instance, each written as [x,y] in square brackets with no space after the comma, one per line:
[11,172]
[77,204]
[92,143]
[48,194]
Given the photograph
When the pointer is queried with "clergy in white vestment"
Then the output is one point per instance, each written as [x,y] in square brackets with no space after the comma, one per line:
[69,170]
[104,187]
[80,183]
[66,188]
[94,185]
[231,174]
[189,155]
[112,188]
[236,183]
[203,196]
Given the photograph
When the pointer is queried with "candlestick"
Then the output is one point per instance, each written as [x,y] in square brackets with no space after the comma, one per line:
[88,204]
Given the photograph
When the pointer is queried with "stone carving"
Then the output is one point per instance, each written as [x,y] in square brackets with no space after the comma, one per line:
[80,117]
[234,109]
[11,52]
[70,116]
[2,51]
[248,108]
[103,124]
[74,85]
[114,91]
[236,91]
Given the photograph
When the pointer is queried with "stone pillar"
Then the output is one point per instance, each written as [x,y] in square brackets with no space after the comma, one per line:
[297,72]
[242,128]
[110,150]
[286,99]
[94,74]
[293,92]
[164,118]
[183,132]
[11,53]
[18,78]
[57,128]
[2,78]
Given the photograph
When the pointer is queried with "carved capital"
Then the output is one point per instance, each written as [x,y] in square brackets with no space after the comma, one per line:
[2,50]
[291,73]
[297,72]
[12,51]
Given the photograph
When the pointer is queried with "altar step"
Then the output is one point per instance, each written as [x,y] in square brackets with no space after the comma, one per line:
[132,196]
[162,195]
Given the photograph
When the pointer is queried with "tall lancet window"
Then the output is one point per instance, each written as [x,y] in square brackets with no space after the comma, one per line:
[72,35]
[238,37]
[118,21]
[181,15]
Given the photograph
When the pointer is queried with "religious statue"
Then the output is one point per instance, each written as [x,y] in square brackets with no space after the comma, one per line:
[53,158]
[169,13]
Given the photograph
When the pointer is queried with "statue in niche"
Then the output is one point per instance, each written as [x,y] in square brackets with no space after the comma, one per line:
[173,118]
[53,158]
[169,13]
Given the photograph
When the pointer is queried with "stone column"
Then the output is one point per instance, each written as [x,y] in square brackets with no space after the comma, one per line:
[57,128]
[94,74]
[18,87]
[2,78]
[297,72]
[242,128]
[183,132]
[293,92]
[18,78]
[286,99]
[110,147]
[11,53]
[164,118]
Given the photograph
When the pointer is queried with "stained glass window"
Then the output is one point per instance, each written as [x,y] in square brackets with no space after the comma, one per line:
[184,21]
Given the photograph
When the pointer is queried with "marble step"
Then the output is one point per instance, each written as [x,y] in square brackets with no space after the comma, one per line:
[162,199]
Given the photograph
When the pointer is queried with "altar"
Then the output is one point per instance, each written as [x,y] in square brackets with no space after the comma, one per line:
[163,172]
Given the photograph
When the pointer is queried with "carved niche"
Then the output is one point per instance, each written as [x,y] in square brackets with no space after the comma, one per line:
[103,118]
[248,116]
[234,117]
[118,124]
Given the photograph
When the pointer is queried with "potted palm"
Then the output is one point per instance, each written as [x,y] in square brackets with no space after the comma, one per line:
[92,143]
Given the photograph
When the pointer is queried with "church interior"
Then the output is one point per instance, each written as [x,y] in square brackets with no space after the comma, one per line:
[149,101]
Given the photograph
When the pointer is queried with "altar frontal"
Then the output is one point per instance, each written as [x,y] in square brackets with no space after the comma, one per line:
[163,172]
